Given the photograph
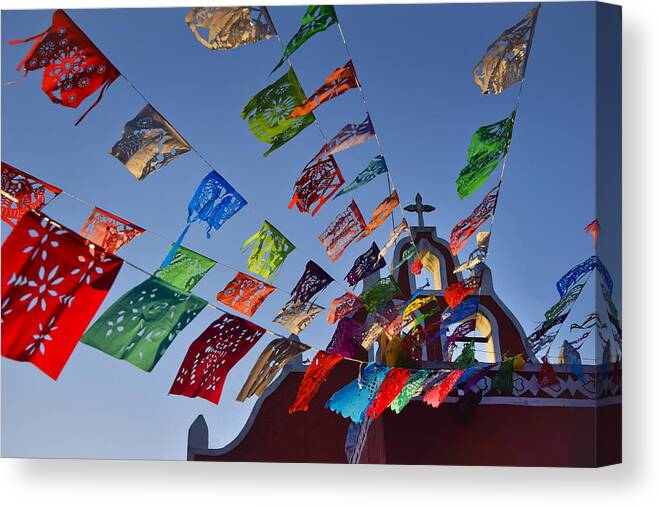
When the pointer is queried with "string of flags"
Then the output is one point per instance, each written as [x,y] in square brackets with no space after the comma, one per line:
[54,280]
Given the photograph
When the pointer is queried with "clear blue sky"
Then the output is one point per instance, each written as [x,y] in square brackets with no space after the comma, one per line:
[415,63]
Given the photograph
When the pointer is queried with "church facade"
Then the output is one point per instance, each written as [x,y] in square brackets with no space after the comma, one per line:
[534,426]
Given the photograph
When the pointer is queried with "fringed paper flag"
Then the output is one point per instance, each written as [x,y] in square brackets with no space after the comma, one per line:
[567,300]
[504,378]
[341,80]
[465,229]
[366,264]
[271,361]
[381,213]
[29,193]
[53,282]
[488,147]
[390,388]
[311,283]
[317,18]
[593,228]
[403,227]
[350,135]
[317,183]
[354,399]
[140,326]
[467,308]
[376,167]
[219,28]
[456,292]
[378,295]
[109,231]
[315,375]
[613,315]
[148,143]
[416,265]
[504,62]
[467,357]
[342,306]
[212,355]
[347,338]
[417,302]
[186,269]
[270,248]
[570,355]
[478,255]
[414,386]
[546,376]
[245,294]
[580,271]
[295,317]
[269,112]
[437,394]
[74,68]
[215,201]
[539,337]
[375,332]
[344,228]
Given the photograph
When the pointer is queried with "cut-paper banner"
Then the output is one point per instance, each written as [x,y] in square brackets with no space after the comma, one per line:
[479,374]
[461,331]
[503,379]
[465,229]
[591,320]
[504,62]
[414,386]
[366,264]
[229,27]
[215,201]
[378,295]
[489,145]
[376,167]
[567,300]
[381,213]
[29,192]
[245,294]
[390,388]
[344,228]
[315,375]
[269,111]
[437,394]
[148,143]
[347,338]
[295,317]
[341,80]
[269,250]
[467,357]
[53,282]
[317,183]
[478,255]
[311,283]
[578,272]
[185,269]
[394,234]
[342,306]
[271,361]
[109,231]
[467,308]
[212,355]
[570,355]
[593,228]
[74,68]
[539,337]
[317,18]
[547,376]
[354,399]
[141,325]
[350,135]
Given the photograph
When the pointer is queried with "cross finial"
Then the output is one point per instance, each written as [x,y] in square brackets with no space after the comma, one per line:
[419,208]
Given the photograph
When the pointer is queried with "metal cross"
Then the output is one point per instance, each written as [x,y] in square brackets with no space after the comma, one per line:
[419,208]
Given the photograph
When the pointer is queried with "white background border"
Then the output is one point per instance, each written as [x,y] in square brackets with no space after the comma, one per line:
[636,482]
